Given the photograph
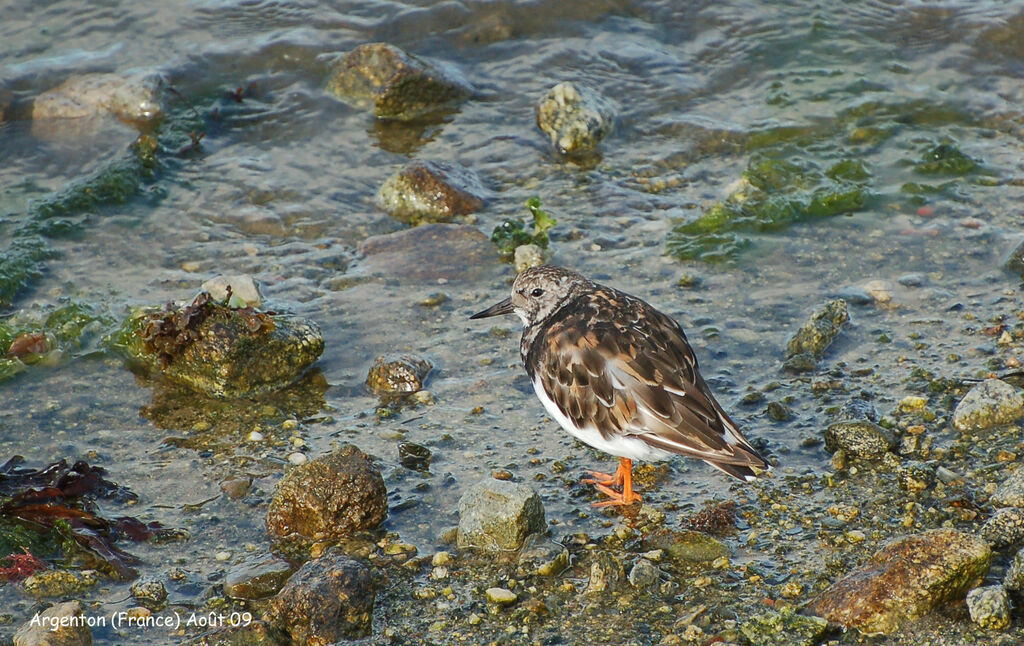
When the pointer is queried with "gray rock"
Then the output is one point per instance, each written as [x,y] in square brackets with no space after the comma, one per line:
[257,577]
[327,600]
[644,574]
[860,439]
[332,496]
[605,574]
[1011,492]
[1013,261]
[499,515]
[431,191]
[244,291]
[990,403]
[1014,578]
[543,557]
[1004,528]
[575,117]
[817,333]
[855,295]
[912,280]
[989,607]
[905,579]
[783,629]
[136,97]
[150,593]
[396,84]
[858,409]
[429,253]
[42,633]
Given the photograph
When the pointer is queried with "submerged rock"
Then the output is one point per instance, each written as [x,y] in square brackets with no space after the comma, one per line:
[257,577]
[814,337]
[499,515]
[575,117]
[397,374]
[990,403]
[989,607]
[431,191]
[327,600]
[429,253]
[59,583]
[1004,528]
[62,624]
[332,496]
[783,629]
[396,84]
[149,593]
[1013,262]
[687,546]
[221,351]
[860,439]
[542,556]
[906,579]
[135,98]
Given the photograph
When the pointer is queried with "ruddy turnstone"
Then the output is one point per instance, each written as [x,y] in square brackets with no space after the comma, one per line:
[620,376]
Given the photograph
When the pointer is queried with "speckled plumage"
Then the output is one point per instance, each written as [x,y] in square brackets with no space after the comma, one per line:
[620,375]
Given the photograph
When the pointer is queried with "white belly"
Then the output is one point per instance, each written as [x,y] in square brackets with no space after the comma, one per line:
[623,446]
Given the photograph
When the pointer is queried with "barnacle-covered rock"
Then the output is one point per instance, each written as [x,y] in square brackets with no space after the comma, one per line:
[431,191]
[397,374]
[575,117]
[219,350]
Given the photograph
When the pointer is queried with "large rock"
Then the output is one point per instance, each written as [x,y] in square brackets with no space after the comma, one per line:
[327,600]
[61,625]
[575,117]
[808,344]
[431,191]
[1011,492]
[906,579]
[329,497]
[499,515]
[431,253]
[990,403]
[396,84]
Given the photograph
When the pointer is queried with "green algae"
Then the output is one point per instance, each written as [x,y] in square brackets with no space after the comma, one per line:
[513,233]
[772,194]
[946,159]
[74,328]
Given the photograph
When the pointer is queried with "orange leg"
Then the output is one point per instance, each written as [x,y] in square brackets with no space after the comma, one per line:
[623,477]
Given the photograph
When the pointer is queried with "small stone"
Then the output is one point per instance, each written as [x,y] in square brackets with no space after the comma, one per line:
[397,374]
[431,191]
[1004,528]
[860,439]
[441,558]
[605,573]
[236,488]
[149,593]
[433,300]
[643,574]
[1014,578]
[528,255]
[257,577]
[499,515]
[501,596]
[990,403]
[244,291]
[911,404]
[686,546]
[575,118]
[297,458]
[62,624]
[989,607]
[783,629]
[779,412]
[255,436]
[1011,492]
[879,290]
[414,456]
[817,334]
[542,556]
[912,280]
[222,556]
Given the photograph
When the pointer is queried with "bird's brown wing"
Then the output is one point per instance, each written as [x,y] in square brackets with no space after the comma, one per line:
[639,380]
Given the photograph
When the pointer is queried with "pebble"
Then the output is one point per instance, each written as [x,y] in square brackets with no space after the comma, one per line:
[67,632]
[1011,492]
[643,574]
[441,558]
[255,436]
[912,280]
[501,596]
[1004,528]
[990,403]
[499,515]
[244,291]
[879,290]
[222,556]
[861,439]
[989,607]
[297,458]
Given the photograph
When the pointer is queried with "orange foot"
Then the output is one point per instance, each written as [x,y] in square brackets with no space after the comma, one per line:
[623,477]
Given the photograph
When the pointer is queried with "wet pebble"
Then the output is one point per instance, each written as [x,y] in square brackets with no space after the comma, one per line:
[499,515]
[606,572]
[989,607]
[880,291]
[542,556]
[150,593]
[905,579]
[528,255]
[574,117]
[643,574]
[69,630]
[990,403]
[397,373]
[257,577]
[236,488]
[501,596]
[855,295]
[297,458]
[818,332]
[912,280]
[244,291]
[431,191]
[860,439]
[59,583]
[783,629]
[414,456]
[328,599]
[1004,528]
[1011,492]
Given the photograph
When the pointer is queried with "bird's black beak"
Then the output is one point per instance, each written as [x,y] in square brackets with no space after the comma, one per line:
[504,307]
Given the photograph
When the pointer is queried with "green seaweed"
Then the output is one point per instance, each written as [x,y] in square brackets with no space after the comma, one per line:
[513,233]
[773,194]
[946,159]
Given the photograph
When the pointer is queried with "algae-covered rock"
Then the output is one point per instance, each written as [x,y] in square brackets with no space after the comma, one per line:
[905,579]
[860,439]
[59,625]
[149,593]
[783,629]
[606,573]
[814,337]
[989,607]
[59,583]
[575,117]
[396,84]
[687,546]
[499,515]
[332,496]
[327,600]
[1014,578]
[221,351]
[772,194]
[946,159]
[990,403]
[431,191]
[397,374]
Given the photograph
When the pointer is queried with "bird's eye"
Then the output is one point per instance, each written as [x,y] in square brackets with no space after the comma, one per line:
[537,292]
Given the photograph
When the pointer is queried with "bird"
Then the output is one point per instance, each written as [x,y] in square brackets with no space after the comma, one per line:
[620,376]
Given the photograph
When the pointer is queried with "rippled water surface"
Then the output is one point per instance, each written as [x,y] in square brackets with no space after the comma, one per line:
[284,187]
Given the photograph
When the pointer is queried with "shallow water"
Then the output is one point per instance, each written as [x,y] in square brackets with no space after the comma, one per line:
[284,188]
